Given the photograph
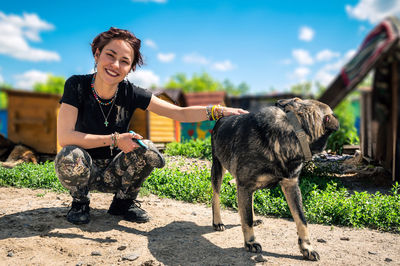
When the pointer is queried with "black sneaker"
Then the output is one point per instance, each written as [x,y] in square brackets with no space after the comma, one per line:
[130,209]
[79,213]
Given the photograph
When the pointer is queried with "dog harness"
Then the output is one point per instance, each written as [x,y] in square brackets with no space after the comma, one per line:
[301,135]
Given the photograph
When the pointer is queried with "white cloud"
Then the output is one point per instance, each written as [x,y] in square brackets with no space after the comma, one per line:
[28,79]
[324,77]
[223,66]
[303,57]
[144,78]
[150,43]
[195,58]
[166,58]
[301,73]
[374,10]
[1,79]
[149,1]
[306,34]
[326,55]
[16,30]
[329,71]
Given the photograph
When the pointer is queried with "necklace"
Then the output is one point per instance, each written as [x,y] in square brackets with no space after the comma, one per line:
[112,102]
[96,96]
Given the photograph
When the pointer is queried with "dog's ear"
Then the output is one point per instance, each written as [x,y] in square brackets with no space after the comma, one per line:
[331,122]
[288,104]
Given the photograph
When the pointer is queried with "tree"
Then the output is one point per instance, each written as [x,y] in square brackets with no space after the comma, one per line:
[54,84]
[302,88]
[3,95]
[197,83]
[231,89]
[204,82]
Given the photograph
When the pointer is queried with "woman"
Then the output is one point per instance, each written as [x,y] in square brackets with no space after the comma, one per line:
[93,122]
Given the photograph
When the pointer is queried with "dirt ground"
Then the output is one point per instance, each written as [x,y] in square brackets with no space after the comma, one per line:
[34,231]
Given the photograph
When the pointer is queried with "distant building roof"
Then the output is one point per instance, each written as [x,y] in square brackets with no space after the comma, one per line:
[175,95]
[254,103]
[205,98]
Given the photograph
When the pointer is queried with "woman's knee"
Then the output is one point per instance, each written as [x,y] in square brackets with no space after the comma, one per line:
[72,165]
[150,156]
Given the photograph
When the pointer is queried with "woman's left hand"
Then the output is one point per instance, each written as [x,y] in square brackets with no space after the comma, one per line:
[228,111]
[125,142]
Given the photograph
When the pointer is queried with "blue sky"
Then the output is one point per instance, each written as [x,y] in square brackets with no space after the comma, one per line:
[267,44]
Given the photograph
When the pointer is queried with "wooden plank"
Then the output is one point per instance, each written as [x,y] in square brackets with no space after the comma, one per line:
[335,92]
[395,88]
[363,126]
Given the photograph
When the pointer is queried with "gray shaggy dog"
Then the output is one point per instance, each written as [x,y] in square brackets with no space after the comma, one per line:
[261,150]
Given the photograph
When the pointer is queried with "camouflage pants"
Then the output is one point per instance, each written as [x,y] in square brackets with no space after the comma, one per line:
[123,175]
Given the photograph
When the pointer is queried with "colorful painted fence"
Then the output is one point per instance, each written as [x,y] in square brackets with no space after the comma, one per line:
[199,130]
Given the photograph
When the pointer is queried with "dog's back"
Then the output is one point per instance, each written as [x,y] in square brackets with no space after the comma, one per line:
[252,143]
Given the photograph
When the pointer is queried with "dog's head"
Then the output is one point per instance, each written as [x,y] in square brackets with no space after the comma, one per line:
[316,119]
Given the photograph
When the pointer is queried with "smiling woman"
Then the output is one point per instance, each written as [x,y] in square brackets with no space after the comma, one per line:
[98,151]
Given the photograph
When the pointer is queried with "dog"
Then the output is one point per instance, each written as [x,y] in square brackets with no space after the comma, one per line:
[263,149]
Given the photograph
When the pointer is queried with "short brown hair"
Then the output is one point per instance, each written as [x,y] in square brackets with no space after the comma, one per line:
[104,38]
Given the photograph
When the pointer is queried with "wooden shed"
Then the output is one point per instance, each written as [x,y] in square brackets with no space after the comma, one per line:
[380,127]
[32,119]
[158,129]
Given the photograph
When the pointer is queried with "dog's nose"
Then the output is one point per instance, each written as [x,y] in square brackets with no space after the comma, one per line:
[331,122]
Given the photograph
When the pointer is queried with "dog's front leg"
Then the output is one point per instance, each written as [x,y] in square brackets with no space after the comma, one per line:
[292,193]
[245,204]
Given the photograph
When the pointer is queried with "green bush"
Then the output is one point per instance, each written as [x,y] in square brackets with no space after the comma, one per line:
[194,148]
[347,133]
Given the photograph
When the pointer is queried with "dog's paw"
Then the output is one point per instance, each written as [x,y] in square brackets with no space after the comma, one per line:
[219,227]
[257,222]
[307,250]
[310,254]
[253,247]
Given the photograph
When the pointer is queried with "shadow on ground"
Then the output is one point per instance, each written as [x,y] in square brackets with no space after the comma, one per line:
[179,242]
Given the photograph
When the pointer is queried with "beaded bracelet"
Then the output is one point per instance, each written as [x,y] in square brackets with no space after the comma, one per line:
[114,142]
[219,112]
[208,112]
[214,112]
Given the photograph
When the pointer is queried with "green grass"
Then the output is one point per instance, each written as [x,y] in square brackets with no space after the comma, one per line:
[31,175]
[194,148]
[325,199]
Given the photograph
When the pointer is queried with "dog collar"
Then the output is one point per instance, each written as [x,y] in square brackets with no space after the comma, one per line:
[301,135]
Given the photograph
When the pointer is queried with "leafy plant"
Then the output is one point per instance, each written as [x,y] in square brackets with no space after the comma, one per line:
[347,133]
[194,148]
[32,176]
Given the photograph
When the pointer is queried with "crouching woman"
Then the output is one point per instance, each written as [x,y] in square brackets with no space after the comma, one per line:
[98,151]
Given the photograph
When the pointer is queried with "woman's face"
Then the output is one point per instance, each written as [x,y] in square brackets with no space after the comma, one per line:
[114,62]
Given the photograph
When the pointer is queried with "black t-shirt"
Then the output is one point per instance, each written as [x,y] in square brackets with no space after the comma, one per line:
[78,93]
